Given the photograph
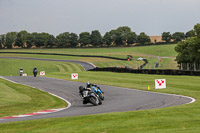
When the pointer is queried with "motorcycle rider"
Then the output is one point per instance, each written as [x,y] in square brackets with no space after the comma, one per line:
[89,85]
[81,89]
[35,71]
[85,101]
[20,71]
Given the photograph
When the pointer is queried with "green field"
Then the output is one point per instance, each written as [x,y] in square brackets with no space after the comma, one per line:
[183,118]
[16,99]
[156,50]
[152,53]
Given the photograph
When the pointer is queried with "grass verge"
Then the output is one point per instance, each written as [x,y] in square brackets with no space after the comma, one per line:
[17,99]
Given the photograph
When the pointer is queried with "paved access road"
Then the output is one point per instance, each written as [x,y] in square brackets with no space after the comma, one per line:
[117,99]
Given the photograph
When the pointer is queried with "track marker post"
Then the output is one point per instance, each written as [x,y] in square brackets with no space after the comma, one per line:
[149,88]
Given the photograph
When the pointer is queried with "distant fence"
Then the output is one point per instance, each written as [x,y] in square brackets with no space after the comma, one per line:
[148,71]
[190,66]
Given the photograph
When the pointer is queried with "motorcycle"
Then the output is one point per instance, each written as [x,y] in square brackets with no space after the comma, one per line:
[98,92]
[89,96]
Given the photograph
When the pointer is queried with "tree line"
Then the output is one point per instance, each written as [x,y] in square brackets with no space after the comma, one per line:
[189,50]
[122,36]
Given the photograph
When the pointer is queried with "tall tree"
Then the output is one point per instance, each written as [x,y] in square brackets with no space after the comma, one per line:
[84,38]
[166,36]
[51,41]
[190,33]
[143,38]
[107,39]
[21,38]
[2,40]
[113,36]
[63,39]
[131,38]
[40,39]
[123,32]
[96,38]
[29,40]
[73,39]
[189,49]
[116,37]
[178,36]
[10,39]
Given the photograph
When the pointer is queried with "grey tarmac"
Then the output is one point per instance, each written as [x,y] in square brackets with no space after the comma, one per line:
[117,99]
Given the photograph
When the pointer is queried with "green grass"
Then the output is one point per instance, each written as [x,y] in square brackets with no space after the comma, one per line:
[183,118]
[157,50]
[16,99]
[10,67]
[149,52]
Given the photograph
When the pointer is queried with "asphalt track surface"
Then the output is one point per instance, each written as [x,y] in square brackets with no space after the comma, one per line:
[85,65]
[117,99]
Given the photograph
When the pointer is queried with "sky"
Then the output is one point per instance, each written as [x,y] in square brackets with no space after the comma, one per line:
[57,16]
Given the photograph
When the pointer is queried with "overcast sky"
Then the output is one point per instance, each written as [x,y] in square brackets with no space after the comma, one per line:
[57,16]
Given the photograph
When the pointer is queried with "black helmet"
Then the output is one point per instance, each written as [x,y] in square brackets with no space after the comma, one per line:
[81,88]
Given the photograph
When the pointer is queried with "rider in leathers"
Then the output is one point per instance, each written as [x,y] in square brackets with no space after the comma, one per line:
[89,85]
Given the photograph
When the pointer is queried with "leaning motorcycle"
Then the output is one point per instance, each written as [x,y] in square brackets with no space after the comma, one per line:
[89,96]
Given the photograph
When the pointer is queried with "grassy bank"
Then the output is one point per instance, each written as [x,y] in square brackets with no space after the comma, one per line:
[10,67]
[156,50]
[16,99]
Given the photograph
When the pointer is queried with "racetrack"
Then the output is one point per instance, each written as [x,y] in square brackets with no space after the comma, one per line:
[117,99]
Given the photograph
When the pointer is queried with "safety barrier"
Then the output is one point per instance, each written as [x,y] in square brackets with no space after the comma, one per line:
[148,71]
[98,56]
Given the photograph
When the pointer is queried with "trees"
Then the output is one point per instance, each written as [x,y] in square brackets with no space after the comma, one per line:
[67,39]
[63,39]
[143,38]
[10,39]
[189,49]
[107,39]
[123,32]
[73,39]
[178,36]
[51,41]
[21,38]
[29,40]
[2,40]
[84,38]
[40,39]
[131,38]
[120,36]
[190,33]
[96,38]
[166,36]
